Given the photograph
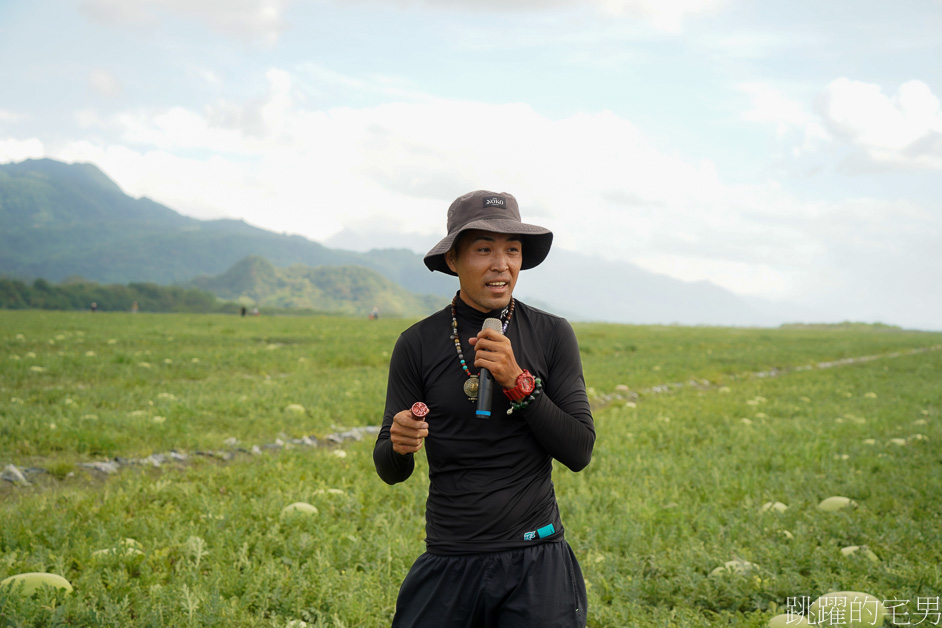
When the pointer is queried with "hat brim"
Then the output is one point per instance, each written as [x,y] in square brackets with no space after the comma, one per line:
[536,242]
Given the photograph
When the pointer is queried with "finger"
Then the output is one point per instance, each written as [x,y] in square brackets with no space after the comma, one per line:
[408,441]
[405,449]
[404,434]
[502,365]
[491,334]
[412,431]
[491,339]
[404,425]
[483,341]
[405,419]
[490,362]
[499,355]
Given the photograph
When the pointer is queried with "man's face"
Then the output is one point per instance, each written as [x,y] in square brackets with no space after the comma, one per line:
[487,265]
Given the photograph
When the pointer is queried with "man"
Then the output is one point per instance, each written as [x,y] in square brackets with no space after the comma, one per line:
[496,554]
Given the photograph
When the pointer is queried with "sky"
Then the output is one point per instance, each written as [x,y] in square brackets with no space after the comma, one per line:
[788,151]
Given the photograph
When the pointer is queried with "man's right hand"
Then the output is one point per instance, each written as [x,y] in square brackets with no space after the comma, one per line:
[407,433]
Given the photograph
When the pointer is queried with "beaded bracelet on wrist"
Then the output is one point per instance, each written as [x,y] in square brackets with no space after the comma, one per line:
[523,403]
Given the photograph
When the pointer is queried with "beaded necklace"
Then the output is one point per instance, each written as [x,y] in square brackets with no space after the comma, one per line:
[471,385]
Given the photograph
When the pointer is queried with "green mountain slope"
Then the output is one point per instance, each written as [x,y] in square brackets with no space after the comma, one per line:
[352,290]
[59,221]
[62,220]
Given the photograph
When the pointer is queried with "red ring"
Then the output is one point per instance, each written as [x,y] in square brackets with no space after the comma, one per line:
[419,409]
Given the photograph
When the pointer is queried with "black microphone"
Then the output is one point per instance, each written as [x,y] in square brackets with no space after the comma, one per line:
[486,382]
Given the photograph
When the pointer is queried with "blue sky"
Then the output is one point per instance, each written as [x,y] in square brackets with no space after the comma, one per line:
[784,150]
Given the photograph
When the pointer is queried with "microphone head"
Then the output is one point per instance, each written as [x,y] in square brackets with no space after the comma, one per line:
[493,323]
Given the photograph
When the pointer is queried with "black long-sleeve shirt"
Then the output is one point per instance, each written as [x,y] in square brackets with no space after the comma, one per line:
[489,479]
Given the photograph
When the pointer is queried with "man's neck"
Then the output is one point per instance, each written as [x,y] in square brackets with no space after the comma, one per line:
[477,308]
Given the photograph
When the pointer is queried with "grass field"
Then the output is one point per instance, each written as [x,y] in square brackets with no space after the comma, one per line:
[697,429]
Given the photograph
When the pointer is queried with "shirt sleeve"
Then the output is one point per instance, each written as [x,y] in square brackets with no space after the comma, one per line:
[560,418]
[404,384]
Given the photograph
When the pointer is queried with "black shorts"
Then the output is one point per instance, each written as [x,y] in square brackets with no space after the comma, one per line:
[538,586]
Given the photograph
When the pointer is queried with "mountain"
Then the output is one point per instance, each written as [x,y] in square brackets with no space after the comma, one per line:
[352,290]
[590,288]
[65,220]
[62,220]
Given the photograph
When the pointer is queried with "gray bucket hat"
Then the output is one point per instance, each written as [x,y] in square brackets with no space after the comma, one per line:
[490,211]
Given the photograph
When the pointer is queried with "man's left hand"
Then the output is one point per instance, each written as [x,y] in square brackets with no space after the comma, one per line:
[493,351]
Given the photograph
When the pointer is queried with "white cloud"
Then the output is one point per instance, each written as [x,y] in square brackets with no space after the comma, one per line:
[12,150]
[845,252]
[771,105]
[898,131]
[278,164]
[246,19]
[904,129]
[594,179]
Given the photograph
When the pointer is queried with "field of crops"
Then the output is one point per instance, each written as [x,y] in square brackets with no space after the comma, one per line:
[698,429]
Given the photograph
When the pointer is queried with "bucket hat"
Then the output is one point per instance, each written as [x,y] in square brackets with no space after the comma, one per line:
[490,211]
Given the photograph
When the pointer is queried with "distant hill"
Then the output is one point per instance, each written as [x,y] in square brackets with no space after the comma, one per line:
[62,220]
[588,288]
[352,290]
[66,220]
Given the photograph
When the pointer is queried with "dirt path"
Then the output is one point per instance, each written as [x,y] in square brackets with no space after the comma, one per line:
[624,393]
[17,477]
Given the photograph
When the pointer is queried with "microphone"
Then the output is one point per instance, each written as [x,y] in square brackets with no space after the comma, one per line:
[486,382]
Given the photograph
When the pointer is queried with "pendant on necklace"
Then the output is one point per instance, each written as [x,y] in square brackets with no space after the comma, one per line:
[471,388]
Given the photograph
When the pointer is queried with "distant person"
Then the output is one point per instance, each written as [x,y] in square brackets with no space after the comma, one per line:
[496,554]
[374,313]
[243,311]
[255,311]
[134,308]
[94,307]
